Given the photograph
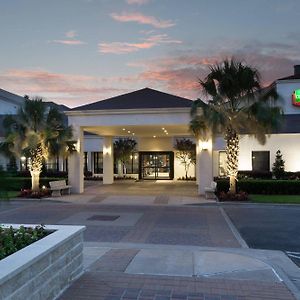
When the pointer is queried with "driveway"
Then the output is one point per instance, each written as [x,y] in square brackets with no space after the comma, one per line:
[275,227]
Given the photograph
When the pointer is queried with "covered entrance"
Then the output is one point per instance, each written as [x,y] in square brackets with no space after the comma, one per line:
[156,165]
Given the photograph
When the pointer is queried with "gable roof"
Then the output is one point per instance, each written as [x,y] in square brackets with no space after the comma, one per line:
[144,98]
[296,76]
[10,97]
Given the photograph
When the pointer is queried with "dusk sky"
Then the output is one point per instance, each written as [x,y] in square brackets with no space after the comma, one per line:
[79,51]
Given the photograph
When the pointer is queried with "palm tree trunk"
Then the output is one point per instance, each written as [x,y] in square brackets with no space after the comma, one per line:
[35,180]
[232,153]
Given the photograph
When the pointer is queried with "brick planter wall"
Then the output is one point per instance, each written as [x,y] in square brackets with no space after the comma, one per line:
[44,269]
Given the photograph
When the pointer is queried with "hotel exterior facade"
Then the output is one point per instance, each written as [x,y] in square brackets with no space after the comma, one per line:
[155,120]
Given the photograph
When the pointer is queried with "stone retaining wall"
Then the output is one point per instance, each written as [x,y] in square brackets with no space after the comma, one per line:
[45,268]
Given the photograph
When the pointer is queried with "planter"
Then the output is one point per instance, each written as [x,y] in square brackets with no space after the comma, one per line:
[44,269]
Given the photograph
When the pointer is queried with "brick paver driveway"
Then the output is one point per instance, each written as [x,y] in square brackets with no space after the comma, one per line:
[185,225]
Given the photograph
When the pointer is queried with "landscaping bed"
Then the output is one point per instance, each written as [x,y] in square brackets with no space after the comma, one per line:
[44,268]
[284,199]
[14,239]
[262,186]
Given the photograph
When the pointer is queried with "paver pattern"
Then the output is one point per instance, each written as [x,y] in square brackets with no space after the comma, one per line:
[106,280]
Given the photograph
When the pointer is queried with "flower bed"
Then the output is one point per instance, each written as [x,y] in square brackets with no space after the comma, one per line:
[12,240]
[45,268]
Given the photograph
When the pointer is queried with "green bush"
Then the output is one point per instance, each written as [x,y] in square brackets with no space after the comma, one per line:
[260,186]
[18,183]
[12,240]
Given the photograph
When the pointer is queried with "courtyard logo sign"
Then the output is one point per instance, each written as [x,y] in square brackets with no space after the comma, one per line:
[296,97]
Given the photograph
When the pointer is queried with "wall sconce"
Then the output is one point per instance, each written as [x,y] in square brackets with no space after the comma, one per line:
[106,150]
[205,145]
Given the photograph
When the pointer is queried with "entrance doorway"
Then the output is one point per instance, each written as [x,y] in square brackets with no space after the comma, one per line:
[156,165]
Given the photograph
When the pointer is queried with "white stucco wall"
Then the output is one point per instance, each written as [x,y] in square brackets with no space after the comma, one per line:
[8,108]
[288,144]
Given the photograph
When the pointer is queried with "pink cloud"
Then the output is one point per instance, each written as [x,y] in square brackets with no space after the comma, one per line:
[142,19]
[69,42]
[71,34]
[138,2]
[125,47]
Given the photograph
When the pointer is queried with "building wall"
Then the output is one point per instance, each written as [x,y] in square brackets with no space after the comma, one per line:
[285,90]
[8,108]
[288,144]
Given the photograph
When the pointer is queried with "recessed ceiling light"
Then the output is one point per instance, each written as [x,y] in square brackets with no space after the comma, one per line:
[128,131]
[123,129]
[154,136]
[133,133]
[163,128]
[166,133]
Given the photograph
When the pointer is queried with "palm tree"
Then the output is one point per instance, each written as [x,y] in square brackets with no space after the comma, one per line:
[238,105]
[36,132]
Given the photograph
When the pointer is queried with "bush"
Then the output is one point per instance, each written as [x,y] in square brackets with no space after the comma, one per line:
[19,183]
[241,196]
[12,240]
[259,186]
[255,174]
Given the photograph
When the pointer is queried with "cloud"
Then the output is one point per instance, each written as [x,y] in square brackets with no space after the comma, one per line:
[146,43]
[71,34]
[142,19]
[70,39]
[70,89]
[69,42]
[138,2]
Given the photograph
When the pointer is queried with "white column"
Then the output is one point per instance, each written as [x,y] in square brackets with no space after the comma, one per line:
[108,160]
[205,165]
[197,167]
[75,163]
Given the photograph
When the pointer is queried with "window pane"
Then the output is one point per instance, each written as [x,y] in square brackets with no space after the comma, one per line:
[222,163]
[98,162]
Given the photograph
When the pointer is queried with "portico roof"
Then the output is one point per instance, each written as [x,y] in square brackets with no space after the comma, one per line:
[140,99]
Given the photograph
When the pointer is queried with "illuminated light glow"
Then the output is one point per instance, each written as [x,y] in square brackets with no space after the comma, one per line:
[23,158]
[106,150]
[131,156]
[204,145]
[124,129]
[133,133]
[296,97]
[154,136]
[128,131]
[163,128]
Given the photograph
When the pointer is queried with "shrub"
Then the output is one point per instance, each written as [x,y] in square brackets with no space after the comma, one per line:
[240,196]
[12,240]
[259,186]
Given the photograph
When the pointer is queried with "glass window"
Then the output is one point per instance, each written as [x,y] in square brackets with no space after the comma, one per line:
[132,166]
[85,161]
[222,163]
[98,162]
[261,161]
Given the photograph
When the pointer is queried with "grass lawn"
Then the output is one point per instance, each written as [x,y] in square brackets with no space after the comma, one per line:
[8,195]
[292,199]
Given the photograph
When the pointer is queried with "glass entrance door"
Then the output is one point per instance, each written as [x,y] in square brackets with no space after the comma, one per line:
[156,165]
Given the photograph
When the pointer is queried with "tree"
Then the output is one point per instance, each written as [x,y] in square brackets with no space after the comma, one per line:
[36,132]
[278,166]
[123,148]
[186,153]
[238,105]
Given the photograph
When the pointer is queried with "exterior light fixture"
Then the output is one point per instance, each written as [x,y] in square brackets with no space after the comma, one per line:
[131,156]
[23,158]
[124,129]
[135,157]
[205,145]
[163,128]
[154,136]
[133,133]
[128,131]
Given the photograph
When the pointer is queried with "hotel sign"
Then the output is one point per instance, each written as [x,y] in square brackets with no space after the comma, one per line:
[296,97]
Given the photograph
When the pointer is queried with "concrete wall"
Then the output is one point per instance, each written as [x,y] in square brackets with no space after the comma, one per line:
[288,144]
[44,269]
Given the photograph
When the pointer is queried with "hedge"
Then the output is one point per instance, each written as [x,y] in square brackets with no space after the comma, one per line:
[18,183]
[260,186]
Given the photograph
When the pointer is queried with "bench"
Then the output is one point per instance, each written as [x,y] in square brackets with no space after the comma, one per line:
[210,191]
[58,186]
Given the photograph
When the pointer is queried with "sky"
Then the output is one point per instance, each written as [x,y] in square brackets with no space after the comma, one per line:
[75,52]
